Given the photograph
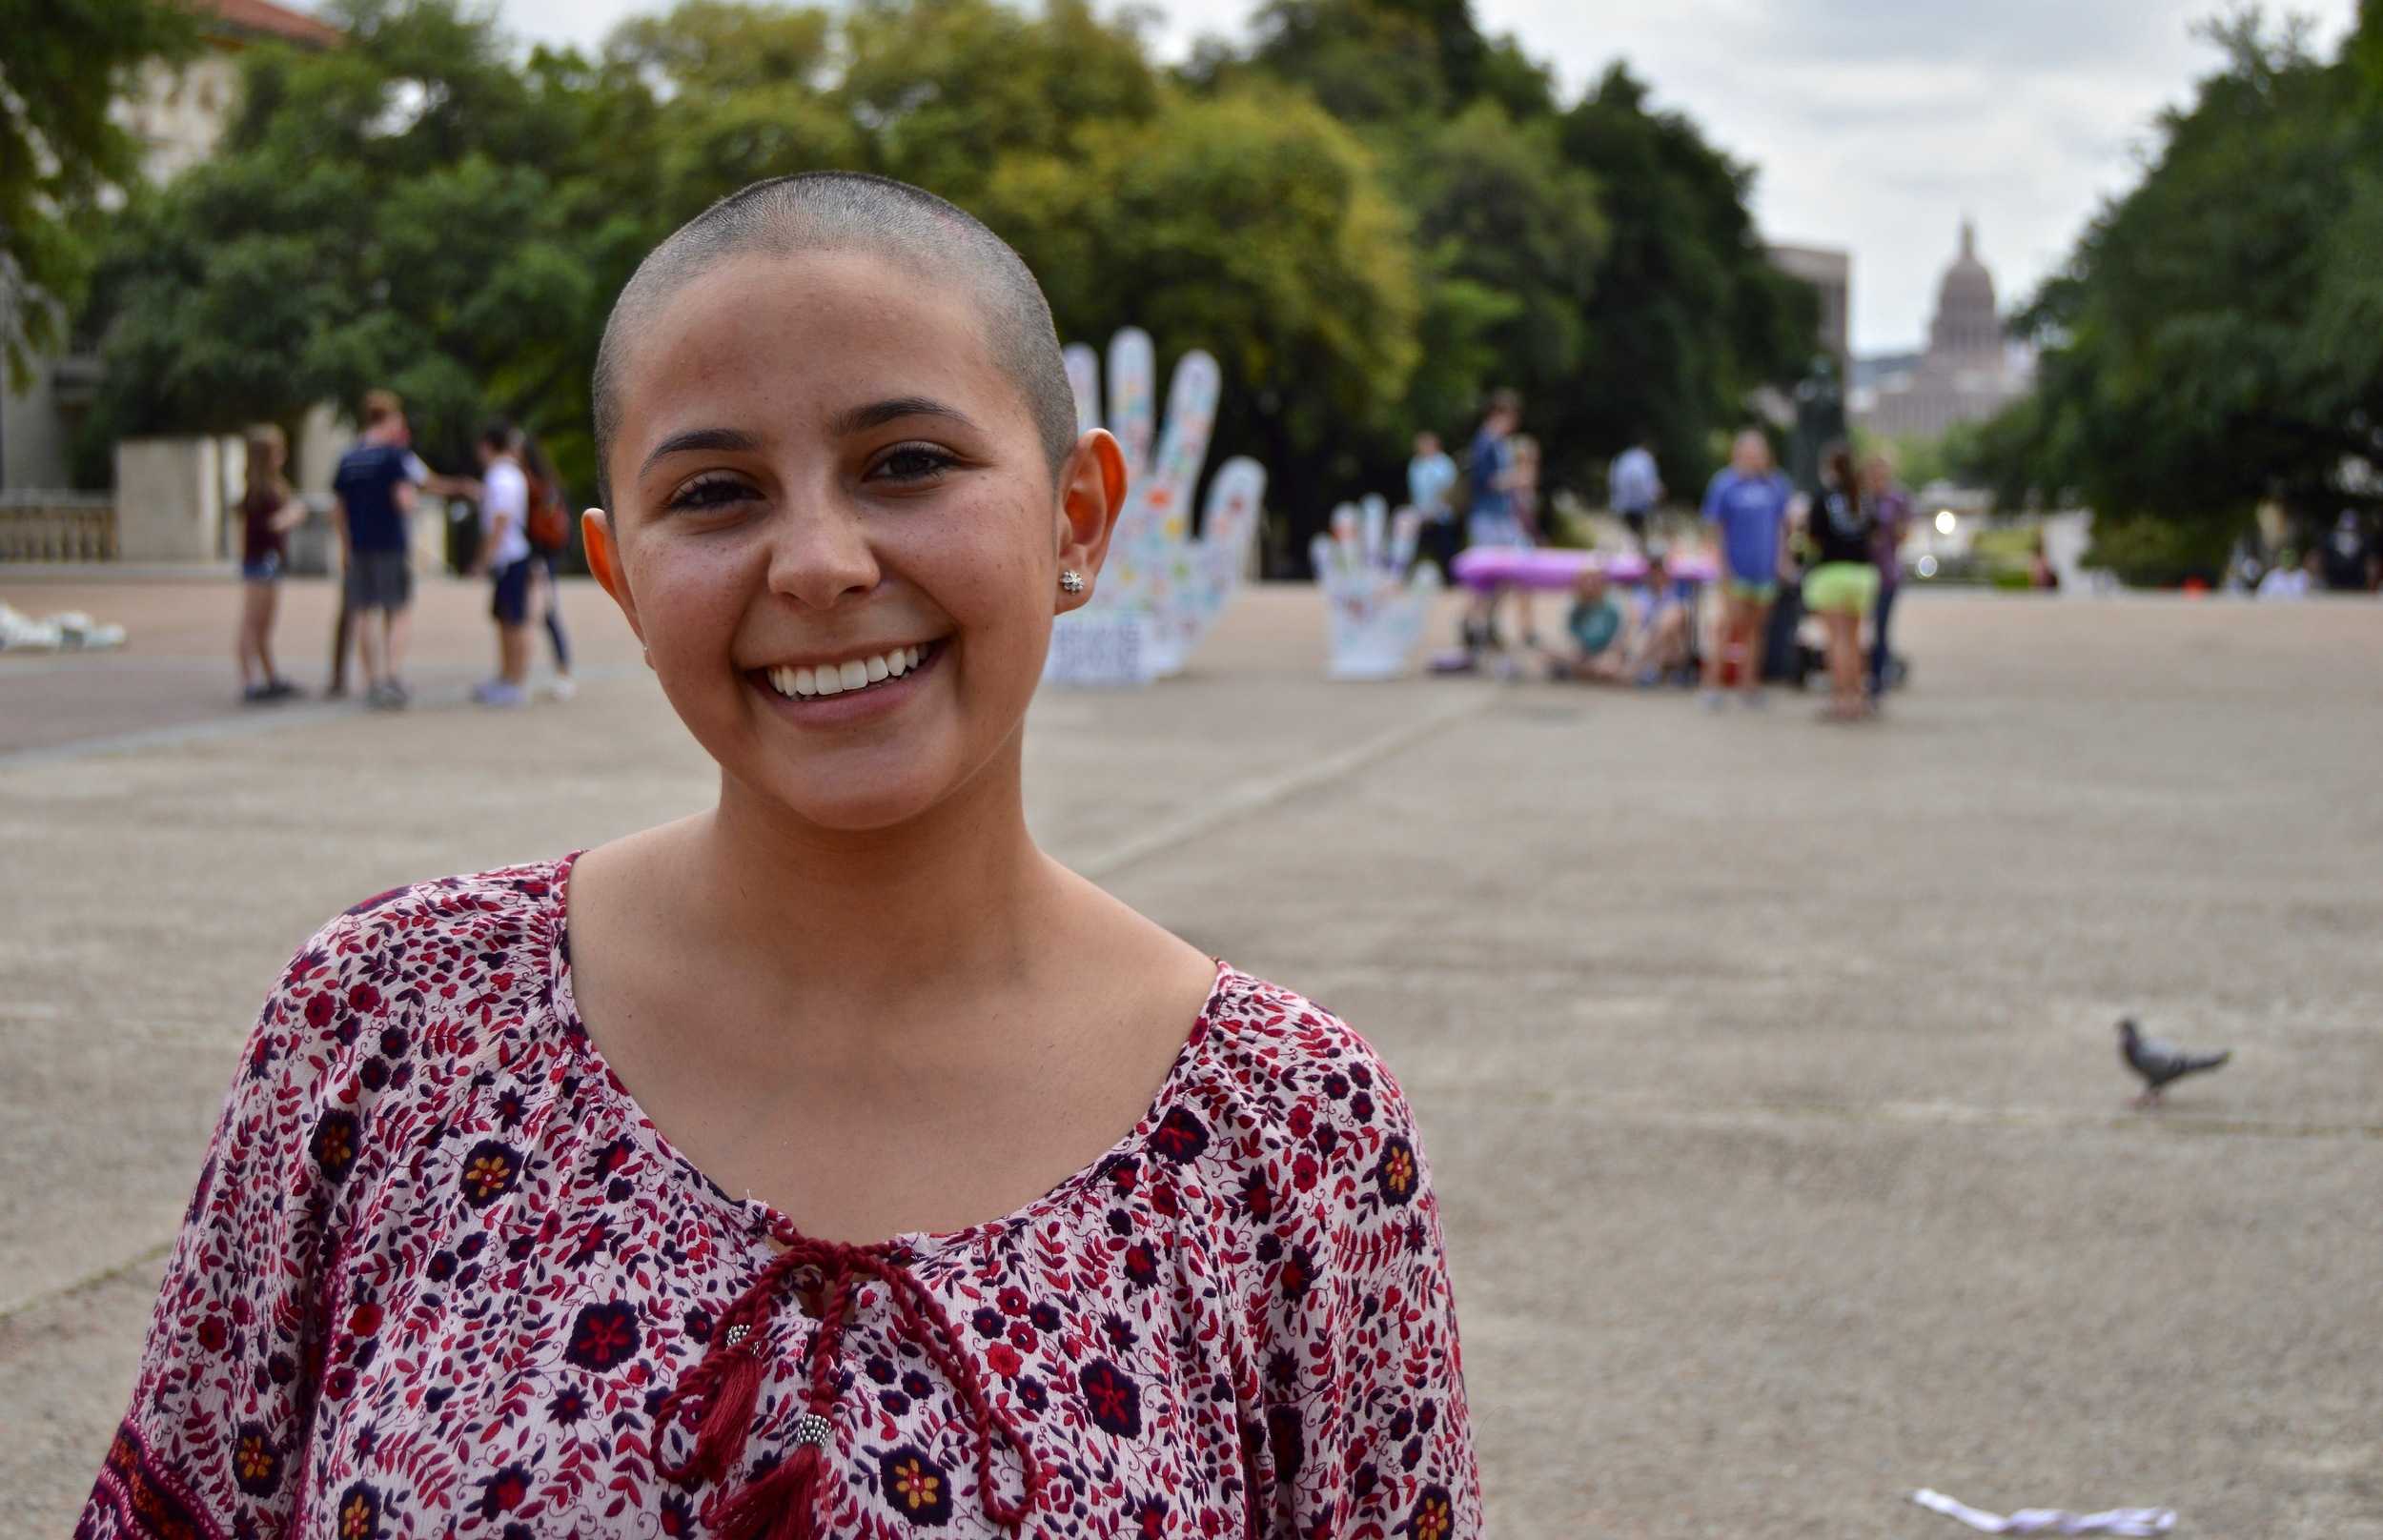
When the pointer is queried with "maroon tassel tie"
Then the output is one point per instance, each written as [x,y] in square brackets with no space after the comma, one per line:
[725,1389]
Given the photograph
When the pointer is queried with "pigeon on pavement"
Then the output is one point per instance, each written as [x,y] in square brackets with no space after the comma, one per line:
[2161,1063]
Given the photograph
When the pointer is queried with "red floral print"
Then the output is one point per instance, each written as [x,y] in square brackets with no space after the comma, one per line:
[440,1273]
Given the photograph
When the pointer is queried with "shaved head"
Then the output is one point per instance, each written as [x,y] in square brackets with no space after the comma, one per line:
[847,211]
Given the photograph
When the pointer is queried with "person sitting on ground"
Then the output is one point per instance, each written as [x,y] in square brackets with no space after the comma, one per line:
[1599,633]
[1659,640]
[832,1161]
[2289,578]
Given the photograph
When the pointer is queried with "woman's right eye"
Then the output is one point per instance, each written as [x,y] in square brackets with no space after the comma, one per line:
[709,492]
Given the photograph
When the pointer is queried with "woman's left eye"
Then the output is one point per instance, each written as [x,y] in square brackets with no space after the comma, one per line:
[911,462]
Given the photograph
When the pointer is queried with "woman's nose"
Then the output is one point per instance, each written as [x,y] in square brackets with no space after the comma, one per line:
[821,556]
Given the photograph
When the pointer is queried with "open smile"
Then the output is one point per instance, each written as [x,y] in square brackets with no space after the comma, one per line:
[874,678]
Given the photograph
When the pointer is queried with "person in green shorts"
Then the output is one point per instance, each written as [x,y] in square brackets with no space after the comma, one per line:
[1746,504]
[1842,585]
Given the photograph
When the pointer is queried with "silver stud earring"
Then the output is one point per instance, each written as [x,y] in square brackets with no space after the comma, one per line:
[1072,580]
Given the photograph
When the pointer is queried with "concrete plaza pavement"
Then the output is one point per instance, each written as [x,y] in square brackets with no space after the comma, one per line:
[1766,1068]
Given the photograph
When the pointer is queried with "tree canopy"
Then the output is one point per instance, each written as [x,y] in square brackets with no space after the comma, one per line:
[1372,214]
[2215,341]
[63,65]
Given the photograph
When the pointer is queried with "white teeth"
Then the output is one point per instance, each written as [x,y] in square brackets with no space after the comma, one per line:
[834,678]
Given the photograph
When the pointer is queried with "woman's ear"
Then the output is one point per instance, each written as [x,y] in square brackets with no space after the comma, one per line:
[603,562]
[1092,492]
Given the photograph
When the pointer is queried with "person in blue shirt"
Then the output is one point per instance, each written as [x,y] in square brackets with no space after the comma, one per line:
[373,491]
[1431,480]
[1635,487]
[1746,502]
[1492,518]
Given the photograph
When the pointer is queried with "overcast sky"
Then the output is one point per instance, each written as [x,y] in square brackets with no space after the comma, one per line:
[1875,124]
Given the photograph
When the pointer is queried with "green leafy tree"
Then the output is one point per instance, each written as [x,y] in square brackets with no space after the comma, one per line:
[2216,339]
[379,215]
[1254,226]
[63,65]
[1685,313]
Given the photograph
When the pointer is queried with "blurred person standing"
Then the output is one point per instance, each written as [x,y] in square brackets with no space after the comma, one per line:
[1890,507]
[268,511]
[1746,502]
[1491,520]
[373,493]
[1842,585]
[2346,562]
[504,557]
[548,526]
[1634,487]
[1431,482]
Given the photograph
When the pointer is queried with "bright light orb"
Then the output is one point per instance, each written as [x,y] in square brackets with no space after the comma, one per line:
[1926,566]
[1945,521]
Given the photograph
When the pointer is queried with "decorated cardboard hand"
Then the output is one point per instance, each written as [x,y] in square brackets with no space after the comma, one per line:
[1161,589]
[1377,597]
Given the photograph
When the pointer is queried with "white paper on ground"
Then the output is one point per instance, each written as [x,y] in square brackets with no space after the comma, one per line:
[2121,1521]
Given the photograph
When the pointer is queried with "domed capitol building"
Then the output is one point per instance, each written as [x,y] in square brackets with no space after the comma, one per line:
[1970,370]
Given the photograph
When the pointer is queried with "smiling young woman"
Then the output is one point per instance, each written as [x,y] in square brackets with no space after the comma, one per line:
[833,1162]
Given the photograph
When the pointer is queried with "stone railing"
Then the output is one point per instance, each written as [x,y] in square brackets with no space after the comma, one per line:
[57,526]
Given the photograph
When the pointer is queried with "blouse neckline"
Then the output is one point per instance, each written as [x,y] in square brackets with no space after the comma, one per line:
[760,1217]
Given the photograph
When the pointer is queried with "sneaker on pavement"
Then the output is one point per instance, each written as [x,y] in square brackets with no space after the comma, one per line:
[498,693]
[562,688]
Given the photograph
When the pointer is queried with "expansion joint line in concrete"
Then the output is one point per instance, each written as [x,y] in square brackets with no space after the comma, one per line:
[1263,792]
[250,722]
[11,1309]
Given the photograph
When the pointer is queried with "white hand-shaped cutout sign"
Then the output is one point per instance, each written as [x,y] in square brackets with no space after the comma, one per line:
[1161,590]
[1378,599]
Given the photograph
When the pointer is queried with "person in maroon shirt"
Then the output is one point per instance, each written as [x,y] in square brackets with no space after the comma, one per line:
[832,1161]
[268,511]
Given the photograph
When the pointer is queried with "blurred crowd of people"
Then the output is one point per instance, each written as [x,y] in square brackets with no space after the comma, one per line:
[523,526]
[1831,551]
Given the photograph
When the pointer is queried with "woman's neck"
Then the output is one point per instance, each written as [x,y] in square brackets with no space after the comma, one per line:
[954,893]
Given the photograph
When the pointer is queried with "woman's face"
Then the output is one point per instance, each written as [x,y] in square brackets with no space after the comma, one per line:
[836,533]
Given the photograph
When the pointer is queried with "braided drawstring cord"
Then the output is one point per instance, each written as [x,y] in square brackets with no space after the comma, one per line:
[717,1396]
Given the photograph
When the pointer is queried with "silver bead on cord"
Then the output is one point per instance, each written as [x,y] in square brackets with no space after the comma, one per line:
[737,1334]
[813,1428]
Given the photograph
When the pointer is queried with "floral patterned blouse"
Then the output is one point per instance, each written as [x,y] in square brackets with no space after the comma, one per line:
[443,1277]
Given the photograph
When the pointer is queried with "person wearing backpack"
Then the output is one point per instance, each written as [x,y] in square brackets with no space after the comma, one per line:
[549,530]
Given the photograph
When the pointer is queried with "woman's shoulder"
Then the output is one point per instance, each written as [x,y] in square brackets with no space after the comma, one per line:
[1289,1065]
[456,947]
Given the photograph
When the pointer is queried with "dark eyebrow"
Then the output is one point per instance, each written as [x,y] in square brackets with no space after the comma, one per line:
[694,439]
[877,414]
